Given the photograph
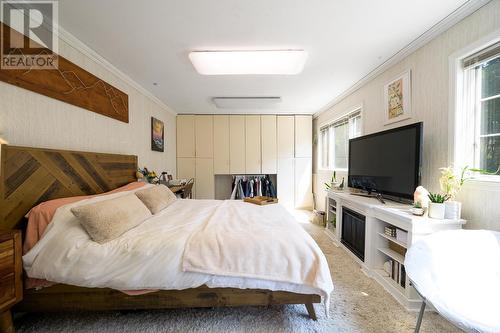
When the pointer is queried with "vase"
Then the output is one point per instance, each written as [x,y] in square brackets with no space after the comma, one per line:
[436,210]
[453,210]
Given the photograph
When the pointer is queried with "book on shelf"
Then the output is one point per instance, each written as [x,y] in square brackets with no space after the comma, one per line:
[398,272]
[390,231]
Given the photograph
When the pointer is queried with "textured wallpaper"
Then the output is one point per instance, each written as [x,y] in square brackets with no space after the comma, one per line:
[430,102]
[30,119]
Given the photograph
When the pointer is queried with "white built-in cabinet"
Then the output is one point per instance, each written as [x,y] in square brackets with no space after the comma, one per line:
[204,180]
[286,137]
[268,144]
[247,144]
[303,136]
[221,145]
[186,170]
[237,144]
[252,145]
[303,182]
[185,136]
[204,136]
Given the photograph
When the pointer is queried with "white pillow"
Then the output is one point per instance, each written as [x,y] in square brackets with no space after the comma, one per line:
[156,198]
[109,219]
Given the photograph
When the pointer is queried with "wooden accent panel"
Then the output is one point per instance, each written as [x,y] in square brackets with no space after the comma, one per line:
[30,176]
[71,84]
[69,298]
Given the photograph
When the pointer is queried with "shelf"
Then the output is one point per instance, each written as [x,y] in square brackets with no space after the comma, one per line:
[393,254]
[383,275]
[394,240]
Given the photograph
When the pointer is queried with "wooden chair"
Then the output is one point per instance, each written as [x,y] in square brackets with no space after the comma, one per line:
[187,191]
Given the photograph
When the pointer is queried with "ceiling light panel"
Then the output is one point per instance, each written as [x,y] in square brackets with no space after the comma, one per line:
[246,102]
[267,62]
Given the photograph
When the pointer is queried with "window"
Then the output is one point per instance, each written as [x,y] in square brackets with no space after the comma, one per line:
[482,105]
[334,140]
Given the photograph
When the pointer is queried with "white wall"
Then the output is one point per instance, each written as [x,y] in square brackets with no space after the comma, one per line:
[430,101]
[30,119]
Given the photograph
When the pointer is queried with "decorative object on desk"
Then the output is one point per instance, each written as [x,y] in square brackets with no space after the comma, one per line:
[451,183]
[149,176]
[261,200]
[417,209]
[397,98]
[436,206]
[421,195]
[164,178]
[157,135]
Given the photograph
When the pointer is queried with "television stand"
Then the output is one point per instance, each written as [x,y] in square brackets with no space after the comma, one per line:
[350,217]
[377,196]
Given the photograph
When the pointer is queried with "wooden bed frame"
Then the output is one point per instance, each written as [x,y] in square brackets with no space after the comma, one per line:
[30,176]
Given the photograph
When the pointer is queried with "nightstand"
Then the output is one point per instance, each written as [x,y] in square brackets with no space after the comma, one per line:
[11,288]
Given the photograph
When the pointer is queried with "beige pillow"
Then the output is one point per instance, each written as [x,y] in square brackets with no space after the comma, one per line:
[156,198]
[109,219]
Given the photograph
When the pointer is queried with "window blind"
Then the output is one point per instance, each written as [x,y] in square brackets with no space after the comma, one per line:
[482,56]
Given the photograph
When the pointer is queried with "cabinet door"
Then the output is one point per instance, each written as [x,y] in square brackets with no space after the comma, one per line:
[185,136]
[268,143]
[303,136]
[204,136]
[252,145]
[285,182]
[303,183]
[204,180]
[286,138]
[237,144]
[186,170]
[221,145]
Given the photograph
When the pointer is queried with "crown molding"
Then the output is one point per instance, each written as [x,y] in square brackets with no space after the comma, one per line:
[80,46]
[449,21]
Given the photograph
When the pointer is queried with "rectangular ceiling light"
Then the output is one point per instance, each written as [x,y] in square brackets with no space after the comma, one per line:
[246,102]
[270,62]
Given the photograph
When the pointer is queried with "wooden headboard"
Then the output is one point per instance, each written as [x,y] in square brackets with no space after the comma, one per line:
[33,175]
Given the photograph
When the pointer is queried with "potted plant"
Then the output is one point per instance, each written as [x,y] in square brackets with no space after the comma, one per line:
[451,183]
[334,184]
[436,205]
[417,209]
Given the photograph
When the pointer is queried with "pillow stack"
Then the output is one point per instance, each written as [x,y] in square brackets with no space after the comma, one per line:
[109,219]
[156,198]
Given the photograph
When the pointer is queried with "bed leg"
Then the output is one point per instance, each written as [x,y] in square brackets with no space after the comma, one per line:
[420,316]
[6,324]
[311,311]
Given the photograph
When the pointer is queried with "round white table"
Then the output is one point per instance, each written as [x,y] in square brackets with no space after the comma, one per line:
[458,272]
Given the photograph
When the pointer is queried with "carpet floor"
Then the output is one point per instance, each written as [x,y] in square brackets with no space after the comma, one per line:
[358,304]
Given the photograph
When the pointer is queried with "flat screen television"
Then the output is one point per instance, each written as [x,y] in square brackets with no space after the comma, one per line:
[388,162]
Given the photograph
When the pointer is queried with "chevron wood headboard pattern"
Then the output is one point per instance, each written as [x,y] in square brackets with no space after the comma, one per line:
[30,176]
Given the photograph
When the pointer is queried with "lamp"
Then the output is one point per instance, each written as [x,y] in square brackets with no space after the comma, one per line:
[248,62]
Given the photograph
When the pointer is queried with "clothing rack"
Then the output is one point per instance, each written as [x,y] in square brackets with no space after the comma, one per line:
[249,186]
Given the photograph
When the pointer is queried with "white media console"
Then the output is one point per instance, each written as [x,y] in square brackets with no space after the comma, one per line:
[370,246]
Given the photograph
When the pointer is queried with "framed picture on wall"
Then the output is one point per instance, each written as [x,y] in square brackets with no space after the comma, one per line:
[397,98]
[157,135]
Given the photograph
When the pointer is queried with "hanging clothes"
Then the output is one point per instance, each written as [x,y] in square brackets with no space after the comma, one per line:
[251,186]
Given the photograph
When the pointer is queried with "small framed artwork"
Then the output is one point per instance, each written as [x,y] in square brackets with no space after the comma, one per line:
[397,98]
[157,135]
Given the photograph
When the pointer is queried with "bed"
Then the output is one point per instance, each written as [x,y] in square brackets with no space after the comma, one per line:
[33,175]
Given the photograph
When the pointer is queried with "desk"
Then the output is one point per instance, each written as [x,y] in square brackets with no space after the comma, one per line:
[177,188]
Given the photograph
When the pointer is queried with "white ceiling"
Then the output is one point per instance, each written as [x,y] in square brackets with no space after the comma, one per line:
[345,40]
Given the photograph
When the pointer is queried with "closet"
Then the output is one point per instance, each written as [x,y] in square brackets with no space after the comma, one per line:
[213,148]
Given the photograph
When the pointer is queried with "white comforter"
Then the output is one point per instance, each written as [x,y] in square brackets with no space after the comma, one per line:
[259,247]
